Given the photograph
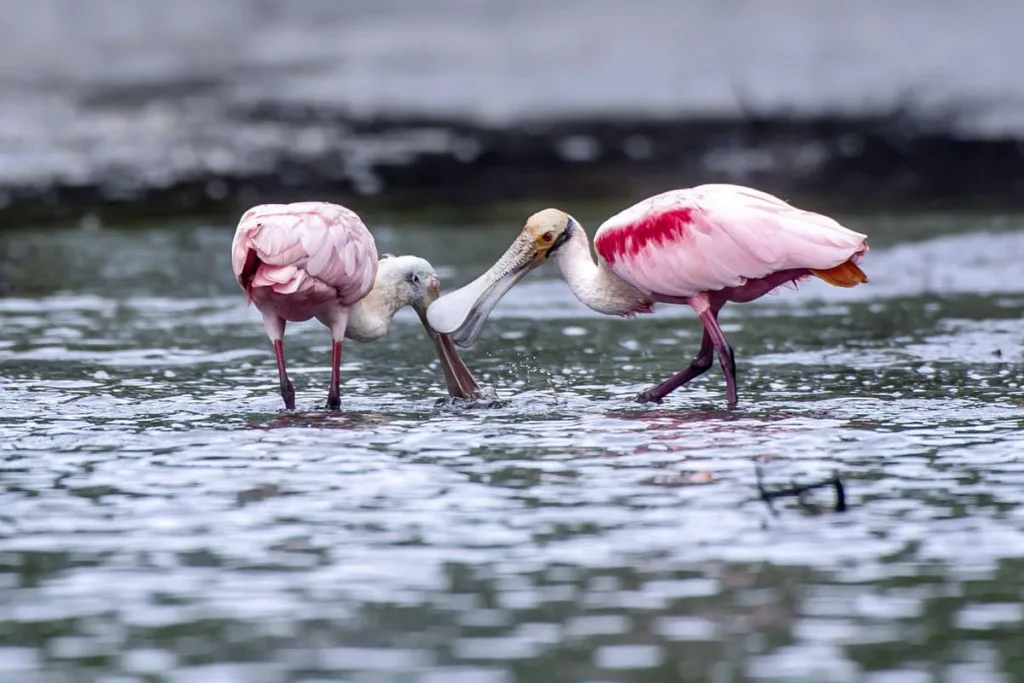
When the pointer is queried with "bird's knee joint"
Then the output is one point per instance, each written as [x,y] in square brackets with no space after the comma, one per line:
[701,363]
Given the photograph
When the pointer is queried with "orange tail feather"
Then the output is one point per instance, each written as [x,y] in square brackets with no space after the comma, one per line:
[846,274]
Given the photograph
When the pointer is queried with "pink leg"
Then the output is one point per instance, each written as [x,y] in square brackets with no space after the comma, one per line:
[337,320]
[334,393]
[287,390]
[698,366]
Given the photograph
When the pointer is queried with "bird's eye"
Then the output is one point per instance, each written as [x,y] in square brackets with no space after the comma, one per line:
[416,279]
[548,236]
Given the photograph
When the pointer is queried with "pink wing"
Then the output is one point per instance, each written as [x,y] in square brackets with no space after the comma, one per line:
[305,246]
[706,238]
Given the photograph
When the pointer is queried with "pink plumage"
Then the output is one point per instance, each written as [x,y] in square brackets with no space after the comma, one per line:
[304,260]
[719,237]
[703,247]
[300,260]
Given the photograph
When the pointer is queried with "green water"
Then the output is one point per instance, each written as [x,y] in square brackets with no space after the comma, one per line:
[162,520]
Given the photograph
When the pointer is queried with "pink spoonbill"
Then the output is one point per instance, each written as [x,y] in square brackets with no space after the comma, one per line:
[317,260]
[703,246]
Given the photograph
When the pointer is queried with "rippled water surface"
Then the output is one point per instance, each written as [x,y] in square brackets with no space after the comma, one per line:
[161,519]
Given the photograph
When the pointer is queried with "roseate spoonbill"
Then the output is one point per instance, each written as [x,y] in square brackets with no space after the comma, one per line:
[703,246]
[314,259]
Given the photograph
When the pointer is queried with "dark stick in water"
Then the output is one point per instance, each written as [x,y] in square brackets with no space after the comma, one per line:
[797,491]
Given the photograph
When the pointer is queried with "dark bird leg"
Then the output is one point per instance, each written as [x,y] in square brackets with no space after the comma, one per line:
[711,340]
[334,393]
[698,366]
[287,390]
[709,316]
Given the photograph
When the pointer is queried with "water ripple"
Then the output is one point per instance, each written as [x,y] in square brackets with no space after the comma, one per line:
[162,519]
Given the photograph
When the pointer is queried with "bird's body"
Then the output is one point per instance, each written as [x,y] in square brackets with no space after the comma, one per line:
[720,239]
[318,260]
[703,246]
[304,260]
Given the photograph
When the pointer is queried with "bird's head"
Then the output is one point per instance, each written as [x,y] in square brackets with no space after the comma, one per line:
[414,281]
[463,312]
[544,233]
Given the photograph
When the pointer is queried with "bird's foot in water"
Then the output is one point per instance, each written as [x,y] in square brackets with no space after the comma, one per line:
[648,397]
[333,401]
[486,397]
[288,394]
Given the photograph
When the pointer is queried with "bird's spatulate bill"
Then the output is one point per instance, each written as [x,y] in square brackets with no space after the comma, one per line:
[450,311]
[463,312]
[460,381]
[457,377]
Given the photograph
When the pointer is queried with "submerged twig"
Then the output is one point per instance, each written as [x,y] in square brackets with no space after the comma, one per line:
[798,491]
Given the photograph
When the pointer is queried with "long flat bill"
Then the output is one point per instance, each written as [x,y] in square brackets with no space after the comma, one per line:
[458,378]
[463,312]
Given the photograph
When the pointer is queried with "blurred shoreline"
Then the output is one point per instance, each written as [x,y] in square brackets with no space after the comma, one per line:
[149,108]
[409,165]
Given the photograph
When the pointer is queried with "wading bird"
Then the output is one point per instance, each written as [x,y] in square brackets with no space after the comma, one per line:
[318,260]
[704,246]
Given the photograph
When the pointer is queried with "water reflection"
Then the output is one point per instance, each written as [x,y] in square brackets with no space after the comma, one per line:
[162,520]
[320,419]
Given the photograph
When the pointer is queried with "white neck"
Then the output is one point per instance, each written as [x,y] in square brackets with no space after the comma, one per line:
[594,284]
[370,317]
